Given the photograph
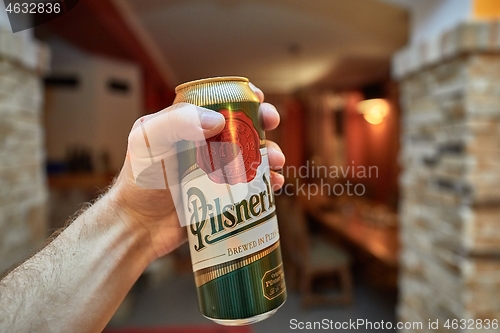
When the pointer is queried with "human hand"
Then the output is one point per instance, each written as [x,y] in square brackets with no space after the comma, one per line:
[153,210]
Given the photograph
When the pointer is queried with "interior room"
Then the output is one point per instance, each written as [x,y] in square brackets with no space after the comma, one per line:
[389,122]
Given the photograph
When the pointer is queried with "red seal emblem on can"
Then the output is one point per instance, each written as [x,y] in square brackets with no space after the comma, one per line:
[233,155]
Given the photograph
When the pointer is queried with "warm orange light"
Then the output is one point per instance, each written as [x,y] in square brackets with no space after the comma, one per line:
[486,9]
[374,110]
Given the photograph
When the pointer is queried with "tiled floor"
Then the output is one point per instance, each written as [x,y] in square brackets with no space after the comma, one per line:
[174,302]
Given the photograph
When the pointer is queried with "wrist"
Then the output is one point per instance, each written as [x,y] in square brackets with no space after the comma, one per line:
[133,228]
[150,212]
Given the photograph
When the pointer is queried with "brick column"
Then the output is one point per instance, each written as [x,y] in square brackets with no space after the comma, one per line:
[23,190]
[450,184]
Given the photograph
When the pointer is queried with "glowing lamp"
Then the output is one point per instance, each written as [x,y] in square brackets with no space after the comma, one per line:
[374,110]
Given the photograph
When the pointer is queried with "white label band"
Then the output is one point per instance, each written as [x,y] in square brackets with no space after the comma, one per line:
[228,222]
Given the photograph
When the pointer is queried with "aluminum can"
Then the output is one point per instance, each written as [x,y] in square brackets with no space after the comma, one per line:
[229,207]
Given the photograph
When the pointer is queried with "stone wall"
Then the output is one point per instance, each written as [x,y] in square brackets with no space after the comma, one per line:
[450,184]
[23,190]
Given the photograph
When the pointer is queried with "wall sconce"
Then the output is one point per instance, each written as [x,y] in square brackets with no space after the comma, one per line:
[374,110]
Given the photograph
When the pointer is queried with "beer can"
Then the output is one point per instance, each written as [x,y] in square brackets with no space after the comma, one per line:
[229,207]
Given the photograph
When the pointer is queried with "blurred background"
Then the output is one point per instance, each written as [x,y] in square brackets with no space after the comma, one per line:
[390,122]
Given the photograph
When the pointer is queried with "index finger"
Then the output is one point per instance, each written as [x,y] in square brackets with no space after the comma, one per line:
[268,116]
[257,91]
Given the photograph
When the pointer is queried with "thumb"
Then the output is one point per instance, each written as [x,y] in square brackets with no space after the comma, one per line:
[184,121]
[211,122]
[153,137]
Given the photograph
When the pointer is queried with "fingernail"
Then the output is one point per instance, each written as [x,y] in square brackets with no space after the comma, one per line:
[256,90]
[279,183]
[276,151]
[210,119]
[281,176]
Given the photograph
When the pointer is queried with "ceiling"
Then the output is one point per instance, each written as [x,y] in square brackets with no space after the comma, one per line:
[281,45]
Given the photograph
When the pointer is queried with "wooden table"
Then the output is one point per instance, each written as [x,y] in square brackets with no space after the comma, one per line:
[82,181]
[380,242]
[68,193]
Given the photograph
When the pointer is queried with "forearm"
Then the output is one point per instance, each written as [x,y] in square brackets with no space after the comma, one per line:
[78,280]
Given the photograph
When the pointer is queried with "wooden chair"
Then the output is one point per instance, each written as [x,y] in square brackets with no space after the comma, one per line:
[311,257]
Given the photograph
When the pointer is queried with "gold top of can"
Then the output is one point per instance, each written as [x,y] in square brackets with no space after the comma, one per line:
[216,90]
[211,79]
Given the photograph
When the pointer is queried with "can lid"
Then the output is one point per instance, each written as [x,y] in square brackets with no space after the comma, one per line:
[211,79]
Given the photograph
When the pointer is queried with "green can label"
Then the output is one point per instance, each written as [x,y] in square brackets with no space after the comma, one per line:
[273,283]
